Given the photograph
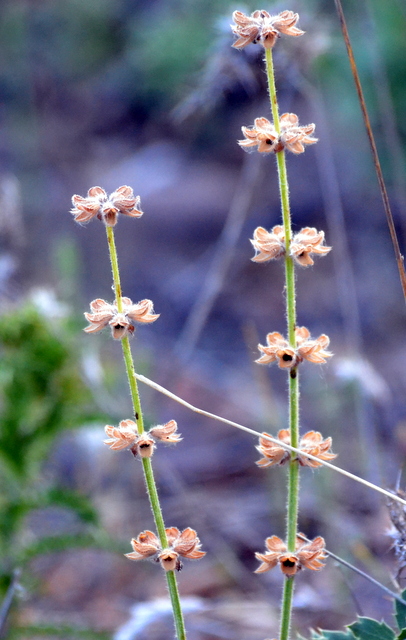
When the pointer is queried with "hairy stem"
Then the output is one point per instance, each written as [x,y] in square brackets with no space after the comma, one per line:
[146,462]
[293,479]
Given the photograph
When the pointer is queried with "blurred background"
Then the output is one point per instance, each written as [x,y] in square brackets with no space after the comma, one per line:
[151,94]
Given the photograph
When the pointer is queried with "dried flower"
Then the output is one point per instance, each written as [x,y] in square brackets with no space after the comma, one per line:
[264,135]
[183,544]
[306,242]
[269,245]
[261,27]
[279,350]
[121,324]
[294,137]
[126,436]
[307,555]
[310,443]
[104,207]
[123,436]
[166,432]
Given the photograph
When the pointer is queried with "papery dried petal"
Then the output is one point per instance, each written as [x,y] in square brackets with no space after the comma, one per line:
[311,553]
[270,559]
[188,545]
[262,135]
[306,242]
[293,137]
[142,312]
[269,245]
[261,27]
[166,432]
[279,350]
[315,350]
[274,454]
[121,437]
[104,207]
[145,546]
[312,442]
[307,555]
[121,323]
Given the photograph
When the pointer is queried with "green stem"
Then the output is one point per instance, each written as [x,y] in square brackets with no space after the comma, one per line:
[293,478]
[146,462]
[286,608]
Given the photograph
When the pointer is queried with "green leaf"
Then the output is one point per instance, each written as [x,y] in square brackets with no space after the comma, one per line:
[400,612]
[402,635]
[369,629]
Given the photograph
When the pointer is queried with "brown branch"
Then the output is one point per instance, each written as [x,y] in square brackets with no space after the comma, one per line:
[384,193]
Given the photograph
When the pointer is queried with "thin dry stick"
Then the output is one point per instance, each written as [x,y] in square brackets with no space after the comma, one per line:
[382,186]
[171,395]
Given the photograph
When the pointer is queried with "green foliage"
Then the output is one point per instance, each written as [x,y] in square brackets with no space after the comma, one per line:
[400,612]
[41,395]
[367,628]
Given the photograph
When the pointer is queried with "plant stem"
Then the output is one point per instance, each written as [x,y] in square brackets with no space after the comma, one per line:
[286,608]
[146,462]
[293,480]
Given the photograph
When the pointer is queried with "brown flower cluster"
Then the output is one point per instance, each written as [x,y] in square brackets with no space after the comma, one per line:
[264,136]
[279,350]
[310,443]
[106,208]
[261,27]
[270,245]
[121,324]
[126,436]
[183,544]
[307,555]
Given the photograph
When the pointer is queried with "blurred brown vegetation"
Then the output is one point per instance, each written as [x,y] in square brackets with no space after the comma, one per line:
[150,94]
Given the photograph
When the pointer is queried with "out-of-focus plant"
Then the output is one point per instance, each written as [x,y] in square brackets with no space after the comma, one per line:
[41,395]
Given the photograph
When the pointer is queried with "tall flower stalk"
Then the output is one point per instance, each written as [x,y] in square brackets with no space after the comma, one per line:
[284,133]
[121,316]
[290,292]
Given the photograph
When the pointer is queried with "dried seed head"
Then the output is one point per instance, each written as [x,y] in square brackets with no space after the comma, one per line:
[104,207]
[121,437]
[261,27]
[166,432]
[145,446]
[121,324]
[308,555]
[306,242]
[279,350]
[269,245]
[310,443]
[264,136]
[145,546]
[126,436]
[293,137]
[183,544]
